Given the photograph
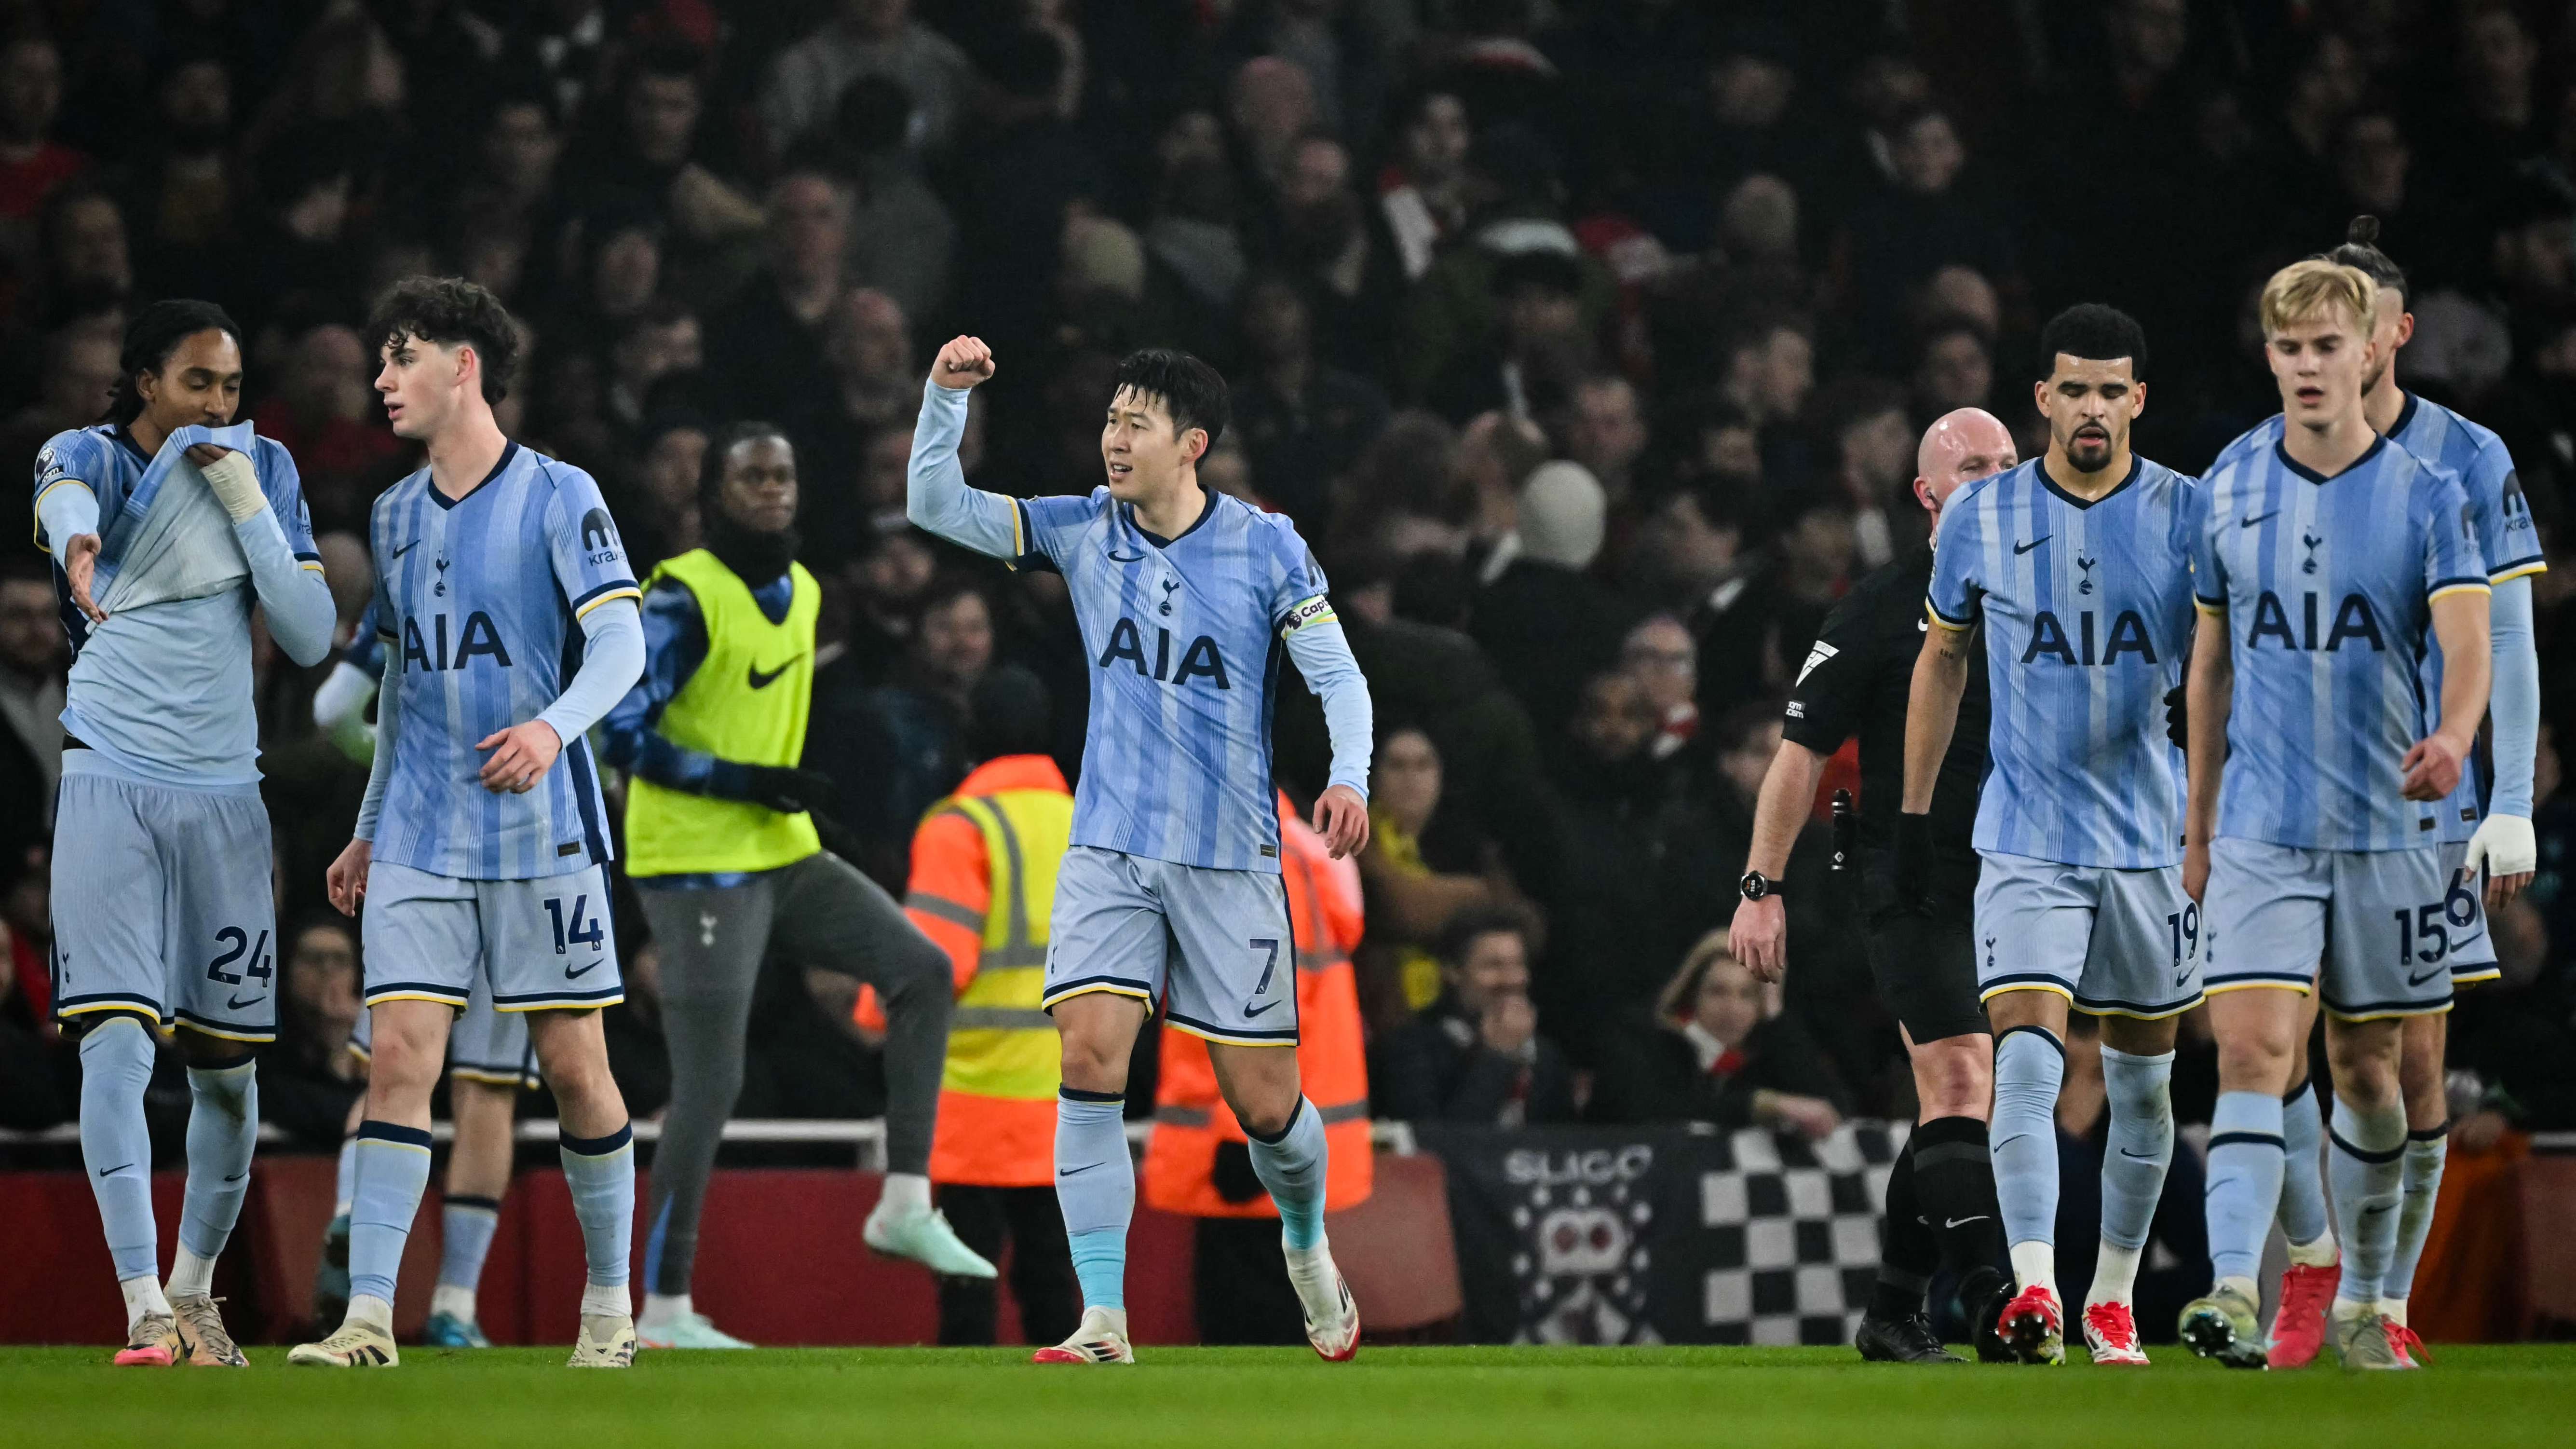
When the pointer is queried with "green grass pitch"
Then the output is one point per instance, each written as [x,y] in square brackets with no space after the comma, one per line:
[2475,1398]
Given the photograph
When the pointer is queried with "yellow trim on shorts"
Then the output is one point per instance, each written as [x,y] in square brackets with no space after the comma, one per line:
[492,1079]
[2393,1014]
[1224,1040]
[2480,978]
[222,1035]
[2446,592]
[405,1146]
[151,1009]
[361,1053]
[457,1001]
[2143,1015]
[1090,988]
[584,1005]
[2010,987]
[2304,990]
[610,597]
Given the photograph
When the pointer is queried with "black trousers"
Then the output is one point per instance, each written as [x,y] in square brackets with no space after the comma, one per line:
[1040,1267]
[1241,1284]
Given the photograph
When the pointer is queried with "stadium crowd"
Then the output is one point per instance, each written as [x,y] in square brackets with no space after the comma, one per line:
[1587,342]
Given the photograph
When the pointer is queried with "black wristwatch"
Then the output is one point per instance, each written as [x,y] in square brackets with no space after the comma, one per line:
[1755,886]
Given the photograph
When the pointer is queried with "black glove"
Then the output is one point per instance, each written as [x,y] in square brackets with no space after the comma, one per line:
[1914,864]
[2177,719]
[787,790]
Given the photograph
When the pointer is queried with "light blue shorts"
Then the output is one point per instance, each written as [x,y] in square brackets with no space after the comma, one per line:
[2112,942]
[1213,946]
[534,945]
[2464,914]
[162,905]
[2375,917]
[483,1046]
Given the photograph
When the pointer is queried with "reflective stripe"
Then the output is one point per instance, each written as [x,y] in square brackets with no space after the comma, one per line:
[944,909]
[1000,1018]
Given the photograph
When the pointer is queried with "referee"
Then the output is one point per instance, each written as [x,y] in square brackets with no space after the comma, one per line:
[1941,1193]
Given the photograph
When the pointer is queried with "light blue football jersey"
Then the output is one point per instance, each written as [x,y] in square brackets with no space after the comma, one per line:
[478,601]
[163,688]
[2327,586]
[2087,609]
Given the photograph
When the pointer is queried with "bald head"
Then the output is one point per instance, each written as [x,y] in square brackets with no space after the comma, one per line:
[1964,445]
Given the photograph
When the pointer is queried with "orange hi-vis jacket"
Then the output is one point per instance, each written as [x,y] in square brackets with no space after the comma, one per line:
[1191,1119]
[984,865]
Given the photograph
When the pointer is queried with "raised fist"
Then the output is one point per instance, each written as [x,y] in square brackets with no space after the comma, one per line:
[964,362]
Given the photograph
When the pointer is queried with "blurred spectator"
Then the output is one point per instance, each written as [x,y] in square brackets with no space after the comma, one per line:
[1716,1049]
[79,373]
[895,750]
[327,415]
[875,390]
[31,703]
[1953,369]
[901,234]
[1017,188]
[39,1072]
[870,38]
[1303,423]
[32,162]
[1603,427]
[1422,192]
[1410,900]
[659,518]
[765,349]
[654,160]
[1354,284]
[1476,1055]
[1537,353]
[1923,220]
[1540,615]
[1664,659]
[185,192]
[88,266]
[1873,445]
[309,1078]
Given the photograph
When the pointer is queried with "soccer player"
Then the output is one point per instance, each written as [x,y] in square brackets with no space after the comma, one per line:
[727,863]
[1941,1209]
[2324,567]
[2077,565]
[167,522]
[488,1063]
[1171,891]
[2485,833]
[492,860]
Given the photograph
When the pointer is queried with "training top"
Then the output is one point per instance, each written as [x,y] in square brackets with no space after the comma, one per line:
[2087,608]
[2327,586]
[1185,637]
[478,601]
[161,691]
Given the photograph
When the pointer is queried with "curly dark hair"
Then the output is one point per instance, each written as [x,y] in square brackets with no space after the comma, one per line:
[451,312]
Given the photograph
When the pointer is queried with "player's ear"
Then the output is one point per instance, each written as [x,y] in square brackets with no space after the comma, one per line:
[1194,445]
[2137,398]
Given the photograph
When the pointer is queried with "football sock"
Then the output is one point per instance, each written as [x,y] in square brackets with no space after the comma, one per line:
[1906,1251]
[348,1184]
[2139,1150]
[116,1145]
[2369,1169]
[601,1173]
[2426,1151]
[1291,1165]
[1954,1188]
[1095,1189]
[904,1194]
[2244,1181]
[2030,1065]
[2303,1168]
[393,1171]
[466,1226]
[223,1127]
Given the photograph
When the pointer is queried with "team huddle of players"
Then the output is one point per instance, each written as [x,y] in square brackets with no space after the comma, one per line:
[479,852]
[2318,622]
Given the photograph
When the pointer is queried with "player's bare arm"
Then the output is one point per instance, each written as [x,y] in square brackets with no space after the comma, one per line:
[2433,765]
[1932,708]
[1759,934]
[2208,697]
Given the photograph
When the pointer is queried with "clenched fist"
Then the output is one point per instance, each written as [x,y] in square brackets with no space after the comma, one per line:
[964,362]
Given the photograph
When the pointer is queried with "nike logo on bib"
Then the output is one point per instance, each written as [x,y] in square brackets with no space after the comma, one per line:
[760,680]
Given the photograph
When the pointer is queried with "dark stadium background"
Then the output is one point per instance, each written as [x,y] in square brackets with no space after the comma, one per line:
[1714,265]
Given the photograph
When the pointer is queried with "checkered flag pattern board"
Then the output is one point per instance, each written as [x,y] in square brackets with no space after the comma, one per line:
[1788,1240]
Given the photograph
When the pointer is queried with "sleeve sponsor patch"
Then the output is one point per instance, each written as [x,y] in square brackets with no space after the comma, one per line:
[1816,654]
[1317,610]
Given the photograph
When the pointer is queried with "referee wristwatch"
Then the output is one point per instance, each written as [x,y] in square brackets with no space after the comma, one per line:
[1757,886]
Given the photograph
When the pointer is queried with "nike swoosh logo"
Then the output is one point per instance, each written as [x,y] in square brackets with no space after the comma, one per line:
[2418,980]
[2375,1208]
[762,680]
[236,1004]
[1250,1010]
[2141,1156]
[2022,548]
[1116,557]
[2257,518]
[238,1176]
[406,548]
[572,975]
[1962,1222]
[1075,1171]
[113,1171]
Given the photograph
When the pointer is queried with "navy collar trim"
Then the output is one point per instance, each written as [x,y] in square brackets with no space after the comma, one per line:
[1207,510]
[2405,415]
[2039,465]
[2281,450]
[439,495]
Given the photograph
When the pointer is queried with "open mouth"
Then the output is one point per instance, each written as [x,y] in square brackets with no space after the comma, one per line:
[1121,470]
[2312,395]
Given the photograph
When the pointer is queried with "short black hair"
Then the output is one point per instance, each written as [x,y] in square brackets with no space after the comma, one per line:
[1190,390]
[151,337]
[1477,921]
[2360,250]
[451,312]
[712,467]
[2095,332]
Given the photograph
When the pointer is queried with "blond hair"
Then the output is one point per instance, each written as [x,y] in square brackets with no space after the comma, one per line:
[2302,290]
[1679,1000]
